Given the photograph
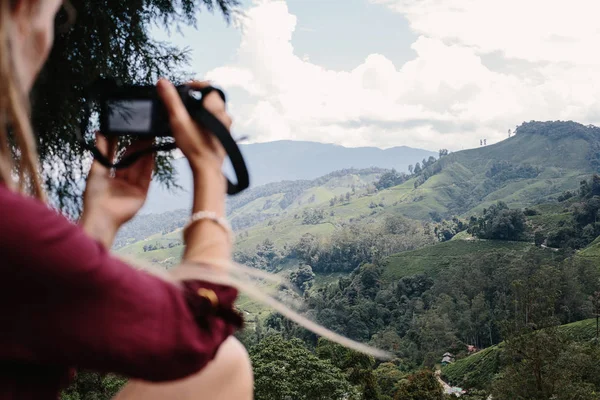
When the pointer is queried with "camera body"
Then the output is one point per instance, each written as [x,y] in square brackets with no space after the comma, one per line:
[138,111]
[132,110]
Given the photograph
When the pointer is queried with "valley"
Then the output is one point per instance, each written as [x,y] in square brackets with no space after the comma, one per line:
[495,247]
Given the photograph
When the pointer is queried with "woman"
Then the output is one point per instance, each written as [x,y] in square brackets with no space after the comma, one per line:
[65,302]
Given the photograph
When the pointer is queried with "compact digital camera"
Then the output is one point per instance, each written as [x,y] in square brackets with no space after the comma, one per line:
[139,110]
[134,110]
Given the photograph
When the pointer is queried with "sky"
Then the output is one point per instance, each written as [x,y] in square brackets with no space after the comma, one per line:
[428,74]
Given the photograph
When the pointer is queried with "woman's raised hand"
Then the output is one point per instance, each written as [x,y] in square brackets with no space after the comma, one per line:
[202,149]
[111,200]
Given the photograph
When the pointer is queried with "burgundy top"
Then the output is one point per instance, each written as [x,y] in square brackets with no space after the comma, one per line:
[65,303]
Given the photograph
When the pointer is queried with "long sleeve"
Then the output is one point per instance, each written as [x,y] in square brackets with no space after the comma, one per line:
[64,300]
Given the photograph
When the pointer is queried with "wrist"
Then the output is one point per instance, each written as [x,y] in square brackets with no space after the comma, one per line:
[100,229]
[205,169]
[210,189]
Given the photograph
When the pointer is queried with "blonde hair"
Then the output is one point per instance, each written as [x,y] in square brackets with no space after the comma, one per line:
[18,153]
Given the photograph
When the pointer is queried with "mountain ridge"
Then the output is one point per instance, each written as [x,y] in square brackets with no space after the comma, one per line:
[283,160]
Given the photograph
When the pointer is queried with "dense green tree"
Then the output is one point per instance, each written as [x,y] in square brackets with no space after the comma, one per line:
[499,222]
[391,178]
[357,366]
[417,169]
[584,226]
[288,370]
[388,377]
[422,385]
[387,340]
[267,254]
[446,230]
[475,394]
[303,278]
[350,245]
[590,188]
[314,216]
[547,365]
[434,333]
[93,386]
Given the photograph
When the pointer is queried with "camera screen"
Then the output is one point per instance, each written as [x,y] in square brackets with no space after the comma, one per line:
[133,116]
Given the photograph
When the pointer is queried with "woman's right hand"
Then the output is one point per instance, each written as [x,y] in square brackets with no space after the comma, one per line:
[204,239]
[203,150]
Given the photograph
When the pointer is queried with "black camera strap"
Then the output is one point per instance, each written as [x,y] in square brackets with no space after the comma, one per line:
[212,124]
[207,120]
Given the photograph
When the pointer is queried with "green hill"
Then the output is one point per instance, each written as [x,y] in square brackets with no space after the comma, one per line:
[542,160]
[279,201]
[533,167]
[592,252]
[478,370]
[432,259]
[287,160]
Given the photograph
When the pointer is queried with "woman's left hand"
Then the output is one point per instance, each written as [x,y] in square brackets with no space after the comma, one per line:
[110,201]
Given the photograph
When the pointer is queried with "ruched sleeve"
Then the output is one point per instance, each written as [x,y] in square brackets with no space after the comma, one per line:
[65,301]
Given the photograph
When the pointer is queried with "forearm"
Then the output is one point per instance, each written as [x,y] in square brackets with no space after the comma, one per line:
[205,239]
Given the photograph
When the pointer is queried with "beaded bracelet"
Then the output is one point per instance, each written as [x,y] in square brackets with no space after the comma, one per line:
[212,216]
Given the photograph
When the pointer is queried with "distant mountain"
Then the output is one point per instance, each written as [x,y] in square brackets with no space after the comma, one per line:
[289,161]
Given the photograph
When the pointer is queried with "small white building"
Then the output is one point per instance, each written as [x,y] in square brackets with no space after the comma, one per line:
[448,358]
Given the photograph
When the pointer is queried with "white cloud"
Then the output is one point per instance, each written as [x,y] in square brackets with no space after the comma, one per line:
[447,96]
[534,30]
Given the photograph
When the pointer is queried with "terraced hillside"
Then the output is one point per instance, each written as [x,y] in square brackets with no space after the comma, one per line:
[432,259]
[479,369]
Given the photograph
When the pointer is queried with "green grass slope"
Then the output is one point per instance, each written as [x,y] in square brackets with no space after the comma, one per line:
[479,369]
[591,252]
[561,151]
[475,371]
[432,259]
